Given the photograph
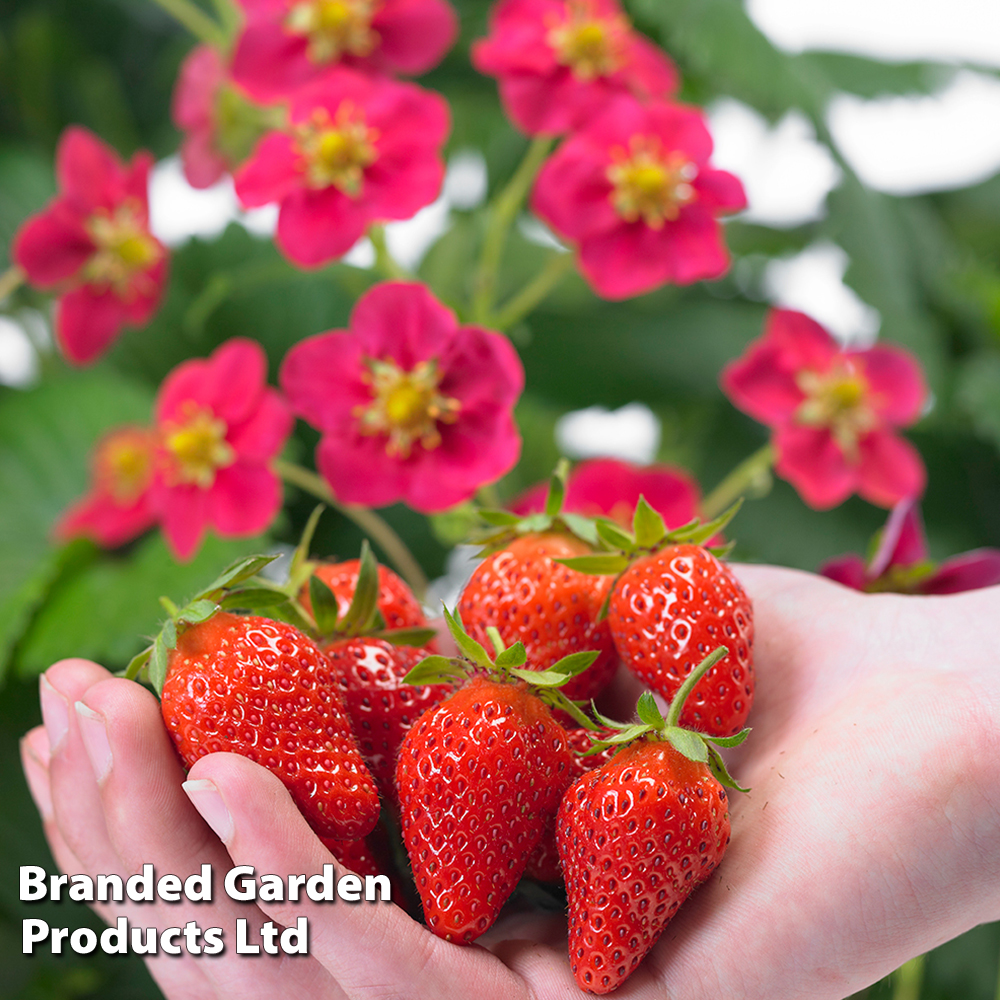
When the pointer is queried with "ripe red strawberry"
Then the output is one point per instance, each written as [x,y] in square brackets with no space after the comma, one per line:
[635,837]
[382,708]
[261,688]
[667,612]
[543,865]
[477,777]
[549,607]
[395,599]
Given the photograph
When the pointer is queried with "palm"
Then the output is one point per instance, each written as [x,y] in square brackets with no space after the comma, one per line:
[865,838]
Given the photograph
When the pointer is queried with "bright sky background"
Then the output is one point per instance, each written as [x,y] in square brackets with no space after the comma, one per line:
[899,145]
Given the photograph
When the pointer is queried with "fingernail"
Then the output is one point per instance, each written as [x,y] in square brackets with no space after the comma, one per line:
[55,713]
[94,732]
[206,799]
[37,777]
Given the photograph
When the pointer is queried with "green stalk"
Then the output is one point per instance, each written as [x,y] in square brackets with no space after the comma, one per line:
[10,281]
[502,215]
[385,263]
[908,979]
[534,292]
[752,476]
[677,703]
[196,21]
[378,530]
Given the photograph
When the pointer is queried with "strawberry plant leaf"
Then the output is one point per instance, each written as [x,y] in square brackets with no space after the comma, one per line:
[435,670]
[136,664]
[324,605]
[729,741]
[557,489]
[169,634]
[466,644]
[626,735]
[158,664]
[499,518]
[575,663]
[688,743]
[365,600]
[197,611]
[300,567]
[252,599]
[647,525]
[614,536]
[701,533]
[584,528]
[599,564]
[722,551]
[512,656]
[648,711]
[721,772]
[236,573]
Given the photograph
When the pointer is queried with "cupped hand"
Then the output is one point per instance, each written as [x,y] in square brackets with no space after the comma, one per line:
[869,834]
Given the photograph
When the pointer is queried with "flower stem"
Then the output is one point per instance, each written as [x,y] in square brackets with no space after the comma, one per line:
[378,530]
[534,292]
[908,979]
[502,215]
[384,260]
[10,281]
[752,476]
[196,21]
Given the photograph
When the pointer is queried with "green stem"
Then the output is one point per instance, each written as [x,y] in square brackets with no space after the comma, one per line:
[378,530]
[384,260]
[752,476]
[196,21]
[502,215]
[534,292]
[908,979]
[677,704]
[10,281]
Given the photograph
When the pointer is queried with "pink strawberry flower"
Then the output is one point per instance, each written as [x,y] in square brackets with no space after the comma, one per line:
[834,413]
[193,109]
[901,562]
[357,151]
[218,426]
[609,487]
[634,192]
[288,43]
[559,62]
[411,405]
[92,246]
[117,507]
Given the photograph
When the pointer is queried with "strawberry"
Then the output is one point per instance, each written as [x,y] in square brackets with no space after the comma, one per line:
[260,688]
[382,708]
[553,610]
[478,776]
[399,607]
[667,611]
[637,835]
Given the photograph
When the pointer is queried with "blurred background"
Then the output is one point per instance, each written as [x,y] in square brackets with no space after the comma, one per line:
[867,134]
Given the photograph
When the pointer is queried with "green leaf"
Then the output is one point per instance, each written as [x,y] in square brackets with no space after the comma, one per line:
[197,612]
[136,664]
[557,489]
[647,525]
[648,711]
[240,570]
[158,664]
[598,564]
[584,528]
[512,656]
[721,772]
[701,533]
[499,518]
[729,741]
[614,536]
[688,743]
[435,670]
[169,634]
[626,735]
[299,566]
[575,663]
[550,678]
[466,644]
[324,605]
[364,602]
[253,599]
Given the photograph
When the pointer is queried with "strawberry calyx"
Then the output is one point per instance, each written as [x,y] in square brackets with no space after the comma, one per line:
[506,665]
[652,725]
[502,526]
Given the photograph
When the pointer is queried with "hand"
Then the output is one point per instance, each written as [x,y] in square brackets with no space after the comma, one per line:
[869,835]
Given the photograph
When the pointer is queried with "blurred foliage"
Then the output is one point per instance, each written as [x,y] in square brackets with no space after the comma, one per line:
[929,264]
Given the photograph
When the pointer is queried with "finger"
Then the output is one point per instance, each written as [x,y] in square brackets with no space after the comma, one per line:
[131,749]
[369,946]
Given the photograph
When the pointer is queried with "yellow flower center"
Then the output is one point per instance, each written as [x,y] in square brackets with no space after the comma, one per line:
[589,45]
[406,406]
[197,448]
[838,399]
[334,28]
[124,465]
[649,183]
[124,249]
[336,152]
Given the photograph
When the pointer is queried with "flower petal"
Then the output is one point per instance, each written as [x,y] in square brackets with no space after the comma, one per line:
[811,461]
[414,35]
[405,322]
[315,227]
[271,173]
[896,380]
[52,246]
[269,63]
[848,570]
[263,435]
[90,174]
[891,469]
[184,515]
[360,471]
[969,571]
[321,379]
[87,321]
[244,499]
